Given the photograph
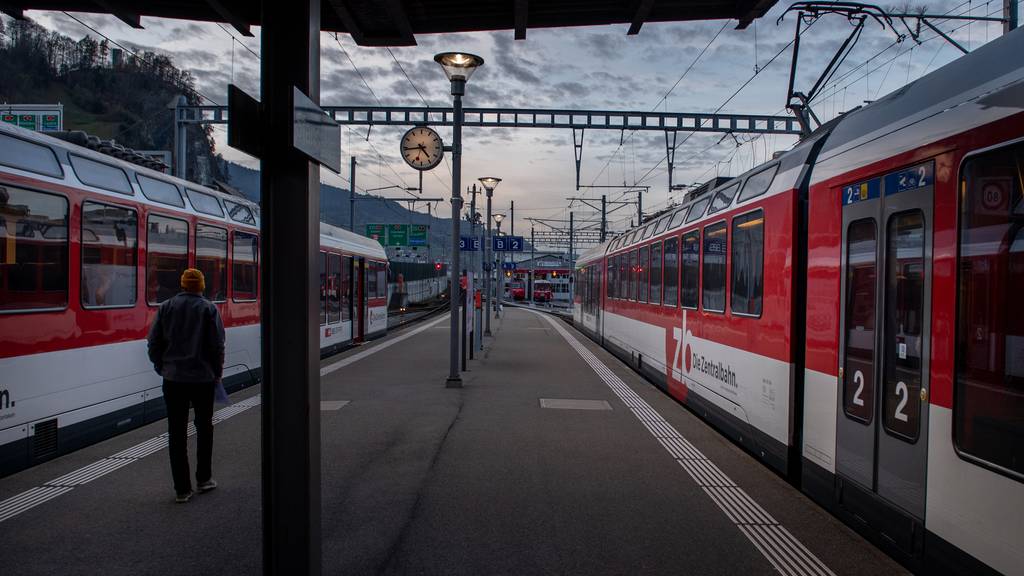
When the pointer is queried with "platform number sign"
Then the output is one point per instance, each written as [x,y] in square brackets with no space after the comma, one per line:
[469,243]
[507,243]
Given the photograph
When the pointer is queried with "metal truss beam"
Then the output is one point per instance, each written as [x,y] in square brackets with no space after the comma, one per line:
[531,118]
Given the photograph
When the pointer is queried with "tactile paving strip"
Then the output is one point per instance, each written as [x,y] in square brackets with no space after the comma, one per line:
[771,539]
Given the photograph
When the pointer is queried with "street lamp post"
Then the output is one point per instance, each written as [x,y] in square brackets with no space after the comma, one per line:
[500,284]
[490,183]
[458,67]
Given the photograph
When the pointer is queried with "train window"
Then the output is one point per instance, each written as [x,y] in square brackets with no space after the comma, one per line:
[697,209]
[323,288]
[205,203]
[643,273]
[904,281]
[240,213]
[101,175]
[859,369]
[989,389]
[634,272]
[648,231]
[689,286]
[747,263]
[34,250]
[245,252]
[29,156]
[166,257]
[624,276]
[758,184]
[160,191]
[713,271]
[212,260]
[655,296]
[333,288]
[346,288]
[110,235]
[671,272]
[723,198]
[382,279]
[609,278]
[677,219]
[660,226]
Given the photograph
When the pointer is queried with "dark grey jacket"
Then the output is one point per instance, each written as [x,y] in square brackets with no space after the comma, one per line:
[186,341]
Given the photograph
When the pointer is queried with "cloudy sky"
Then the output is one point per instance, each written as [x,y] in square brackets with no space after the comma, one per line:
[580,68]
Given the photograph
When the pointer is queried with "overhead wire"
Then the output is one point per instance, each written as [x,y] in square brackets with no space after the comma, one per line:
[135,55]
[727,100]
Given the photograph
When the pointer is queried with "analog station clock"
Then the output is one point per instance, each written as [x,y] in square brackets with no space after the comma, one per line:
[422,148]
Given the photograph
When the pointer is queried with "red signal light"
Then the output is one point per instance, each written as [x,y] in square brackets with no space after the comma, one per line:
[437,266]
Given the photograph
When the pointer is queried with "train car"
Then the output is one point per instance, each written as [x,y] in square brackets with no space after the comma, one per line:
[89,246]
[846,312]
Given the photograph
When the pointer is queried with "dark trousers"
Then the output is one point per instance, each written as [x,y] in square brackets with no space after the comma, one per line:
[178,396]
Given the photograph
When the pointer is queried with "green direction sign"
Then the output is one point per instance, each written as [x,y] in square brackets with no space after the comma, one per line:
[418,234]
[50,122]
[27,121]
[377,232]
[398,235]
[9,119]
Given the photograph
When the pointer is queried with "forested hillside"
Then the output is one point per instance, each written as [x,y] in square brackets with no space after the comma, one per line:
[105,91]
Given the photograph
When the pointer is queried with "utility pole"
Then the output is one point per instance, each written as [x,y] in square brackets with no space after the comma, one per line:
[512,228]
[352,195]
[533,265]
[572,257]
[604,217]
[640,206]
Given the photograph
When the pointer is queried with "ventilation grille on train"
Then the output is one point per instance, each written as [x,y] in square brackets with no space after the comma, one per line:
[44,440]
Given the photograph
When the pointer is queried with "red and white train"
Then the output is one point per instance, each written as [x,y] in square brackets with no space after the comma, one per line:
[851,312]
[89,247]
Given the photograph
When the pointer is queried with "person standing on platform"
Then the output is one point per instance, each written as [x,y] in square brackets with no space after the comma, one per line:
[186,346]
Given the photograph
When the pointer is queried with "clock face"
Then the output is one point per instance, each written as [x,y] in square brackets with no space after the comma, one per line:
[422,148]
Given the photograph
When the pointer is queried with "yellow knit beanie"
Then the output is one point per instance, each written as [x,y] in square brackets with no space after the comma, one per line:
[192,280]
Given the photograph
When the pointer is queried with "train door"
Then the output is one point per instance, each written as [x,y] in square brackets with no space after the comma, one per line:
[882,416]
[360,294]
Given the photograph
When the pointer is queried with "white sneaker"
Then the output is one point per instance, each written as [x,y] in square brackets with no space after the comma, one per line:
[207,486]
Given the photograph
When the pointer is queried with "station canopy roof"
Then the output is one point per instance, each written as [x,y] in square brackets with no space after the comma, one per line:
[397,22]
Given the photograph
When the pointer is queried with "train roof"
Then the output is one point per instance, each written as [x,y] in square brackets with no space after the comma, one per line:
[40,156]
[351,242]
[996,67]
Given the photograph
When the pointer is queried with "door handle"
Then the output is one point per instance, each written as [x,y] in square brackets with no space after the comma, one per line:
[924,394]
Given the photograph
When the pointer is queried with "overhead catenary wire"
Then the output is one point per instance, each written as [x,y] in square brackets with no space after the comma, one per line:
[135,55]
[767,64]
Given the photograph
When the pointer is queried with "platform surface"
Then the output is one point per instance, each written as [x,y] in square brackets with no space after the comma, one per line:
[554,458]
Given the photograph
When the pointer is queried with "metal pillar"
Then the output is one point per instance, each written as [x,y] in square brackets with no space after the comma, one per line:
[458,89]
[290,344]
[670,154]
[572,258]
[489,265]
[639,206]
[533,266]
[511,232]
[180,140]
[604,216]
[1010,15]
[352,195]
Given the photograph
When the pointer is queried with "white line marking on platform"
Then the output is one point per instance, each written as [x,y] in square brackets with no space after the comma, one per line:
[771,539]
[51,489]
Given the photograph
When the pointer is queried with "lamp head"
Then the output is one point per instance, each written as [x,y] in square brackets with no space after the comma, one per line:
[498,218]
[458,66]
[489,183]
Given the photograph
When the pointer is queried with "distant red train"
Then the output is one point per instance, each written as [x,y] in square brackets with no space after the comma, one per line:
[89,247]
[851,312]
